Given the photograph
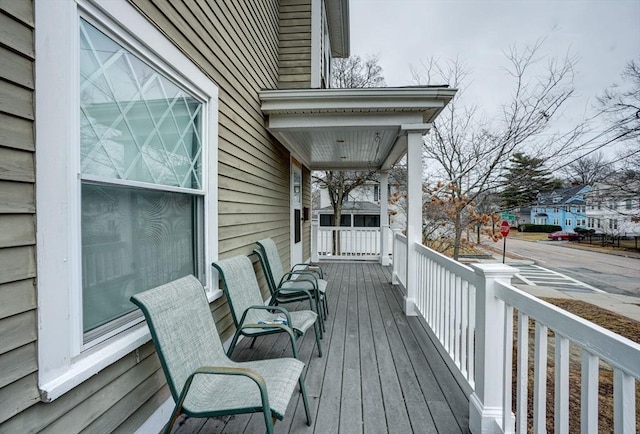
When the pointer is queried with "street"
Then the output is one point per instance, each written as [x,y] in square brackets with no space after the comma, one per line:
[610,273]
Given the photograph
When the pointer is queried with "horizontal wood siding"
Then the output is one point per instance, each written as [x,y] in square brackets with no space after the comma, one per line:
[295,45]
[18,315]
[237,45]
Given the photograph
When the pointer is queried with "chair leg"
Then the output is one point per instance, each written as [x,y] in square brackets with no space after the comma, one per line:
[316,328]
[305,401]
[174,416]
[234,341]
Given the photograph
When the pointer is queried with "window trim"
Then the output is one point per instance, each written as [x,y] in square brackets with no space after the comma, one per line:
[63,360]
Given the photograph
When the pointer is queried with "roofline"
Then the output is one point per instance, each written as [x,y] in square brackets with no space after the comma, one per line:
[366,99]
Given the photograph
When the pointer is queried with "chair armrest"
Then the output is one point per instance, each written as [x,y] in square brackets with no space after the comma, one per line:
[263,307]
[308,267]
[306,277]
[227,370]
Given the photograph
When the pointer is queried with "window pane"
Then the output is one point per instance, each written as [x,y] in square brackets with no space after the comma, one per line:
[135,123]
[132,240]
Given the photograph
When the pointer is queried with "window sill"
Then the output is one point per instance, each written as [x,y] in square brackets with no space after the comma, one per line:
[96,359]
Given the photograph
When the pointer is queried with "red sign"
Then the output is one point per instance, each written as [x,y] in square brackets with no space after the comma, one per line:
[504,228]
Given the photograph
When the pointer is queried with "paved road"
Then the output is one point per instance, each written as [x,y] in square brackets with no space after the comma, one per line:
[610,273]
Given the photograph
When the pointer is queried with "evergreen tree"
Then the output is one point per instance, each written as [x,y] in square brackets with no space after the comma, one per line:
[524,179]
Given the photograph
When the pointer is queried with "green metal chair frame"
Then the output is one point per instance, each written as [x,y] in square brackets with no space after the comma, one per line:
[251,316]
[292,285]
[203,381]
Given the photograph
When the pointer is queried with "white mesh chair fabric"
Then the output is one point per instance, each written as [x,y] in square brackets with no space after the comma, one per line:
[187,341]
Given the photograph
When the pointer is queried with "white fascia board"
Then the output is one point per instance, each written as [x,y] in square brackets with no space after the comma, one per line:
[371,99]
[341,120]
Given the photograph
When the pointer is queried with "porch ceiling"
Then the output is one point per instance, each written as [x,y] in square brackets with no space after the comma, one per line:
[350,129]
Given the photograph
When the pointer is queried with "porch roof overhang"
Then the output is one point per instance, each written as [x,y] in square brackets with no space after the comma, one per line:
[351,129]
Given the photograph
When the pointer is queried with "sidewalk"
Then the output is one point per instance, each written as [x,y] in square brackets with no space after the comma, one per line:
[624,305]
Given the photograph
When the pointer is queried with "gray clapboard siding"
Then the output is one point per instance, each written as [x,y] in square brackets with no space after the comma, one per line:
[18,396]
[92,409]
[16,198]
[16,100]
[16,230]
[17,165]
[16,68]
[15,34]
[19,10]
[41,415]
[134,421]
[17,263]
[295,44]
[18,363]
[17,297]
[17,330]
[18,318]
[16,133]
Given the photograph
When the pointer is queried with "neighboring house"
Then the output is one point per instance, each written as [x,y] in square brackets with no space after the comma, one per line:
[139,142]
[563,207]
[612,210]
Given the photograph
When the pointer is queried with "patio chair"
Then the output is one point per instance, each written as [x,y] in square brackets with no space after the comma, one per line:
[203,381]
[251,316]
[288,287]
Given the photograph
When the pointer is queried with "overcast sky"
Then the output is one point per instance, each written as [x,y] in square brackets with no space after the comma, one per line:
[603,34]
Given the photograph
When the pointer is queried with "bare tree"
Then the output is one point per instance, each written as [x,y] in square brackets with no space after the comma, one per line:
[468,151]
[354,72]
[588,169]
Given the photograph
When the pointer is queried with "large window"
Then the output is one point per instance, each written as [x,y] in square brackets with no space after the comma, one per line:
[140,134]
[127,171]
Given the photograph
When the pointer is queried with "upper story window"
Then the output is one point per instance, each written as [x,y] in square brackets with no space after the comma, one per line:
[320,46]
[126,181]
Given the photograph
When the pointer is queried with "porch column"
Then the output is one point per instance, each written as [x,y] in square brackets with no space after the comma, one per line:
[486,404]
[384,218]
[315,225]
[414,209]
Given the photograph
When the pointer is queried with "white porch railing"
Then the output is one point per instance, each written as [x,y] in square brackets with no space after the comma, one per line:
[338,242]
[470,311]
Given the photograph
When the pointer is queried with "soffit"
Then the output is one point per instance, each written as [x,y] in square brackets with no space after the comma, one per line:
[350,129]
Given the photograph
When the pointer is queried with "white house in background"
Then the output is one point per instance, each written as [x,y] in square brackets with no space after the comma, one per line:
[614,211]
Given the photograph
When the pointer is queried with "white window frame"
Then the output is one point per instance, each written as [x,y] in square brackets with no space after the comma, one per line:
[63,360]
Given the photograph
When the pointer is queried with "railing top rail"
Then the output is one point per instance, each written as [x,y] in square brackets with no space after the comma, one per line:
[348,228]
[465,272]
[610,347]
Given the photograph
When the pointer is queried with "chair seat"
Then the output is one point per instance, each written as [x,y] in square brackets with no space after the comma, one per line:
[231,393]
[301,320]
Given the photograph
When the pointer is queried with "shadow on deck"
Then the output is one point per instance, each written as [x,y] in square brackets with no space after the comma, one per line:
[380,372]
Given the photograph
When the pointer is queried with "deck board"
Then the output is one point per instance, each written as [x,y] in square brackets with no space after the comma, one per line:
[379,373]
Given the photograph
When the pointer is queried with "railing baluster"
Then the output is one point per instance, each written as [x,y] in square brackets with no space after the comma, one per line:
[624,403]
[523,373]
[589,394]
[561,401]
[540,379]
[507,370]
[464,327]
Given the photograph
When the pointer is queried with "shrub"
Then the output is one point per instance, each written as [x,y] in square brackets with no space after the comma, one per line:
[547,229]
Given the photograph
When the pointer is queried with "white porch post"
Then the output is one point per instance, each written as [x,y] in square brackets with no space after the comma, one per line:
[486,402]
[414,209]
[315,224]
[384,218]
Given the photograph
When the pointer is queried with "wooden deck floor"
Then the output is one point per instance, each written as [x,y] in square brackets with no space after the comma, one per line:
[379,373]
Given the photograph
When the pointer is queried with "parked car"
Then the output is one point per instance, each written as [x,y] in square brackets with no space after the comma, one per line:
[564,235]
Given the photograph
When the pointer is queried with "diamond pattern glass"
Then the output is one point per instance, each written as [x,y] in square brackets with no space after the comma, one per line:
[136,124]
